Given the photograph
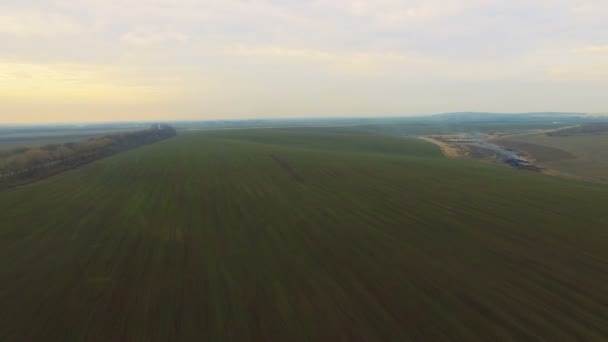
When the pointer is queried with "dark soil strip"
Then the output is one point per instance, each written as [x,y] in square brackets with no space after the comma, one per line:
[283,164]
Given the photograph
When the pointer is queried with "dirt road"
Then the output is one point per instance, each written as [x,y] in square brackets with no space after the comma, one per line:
[447,150]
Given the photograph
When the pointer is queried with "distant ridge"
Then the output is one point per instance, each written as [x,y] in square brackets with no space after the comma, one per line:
[486,117]
[519,115]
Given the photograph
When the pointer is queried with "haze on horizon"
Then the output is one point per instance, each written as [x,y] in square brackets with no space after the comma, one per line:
[107,60]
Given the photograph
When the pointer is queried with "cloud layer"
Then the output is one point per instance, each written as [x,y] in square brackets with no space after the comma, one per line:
[64,60]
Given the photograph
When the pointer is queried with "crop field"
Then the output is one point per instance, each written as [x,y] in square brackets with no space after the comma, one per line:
[302,235]
[583,156]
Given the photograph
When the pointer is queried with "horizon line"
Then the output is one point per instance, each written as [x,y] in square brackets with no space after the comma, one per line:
[151,121]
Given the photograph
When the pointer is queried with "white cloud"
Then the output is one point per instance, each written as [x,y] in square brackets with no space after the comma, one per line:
[235,56]
[593,49]
[147,38]
[27,22]
[588,72]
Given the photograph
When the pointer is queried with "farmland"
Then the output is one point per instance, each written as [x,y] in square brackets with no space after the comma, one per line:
[302,234]
[583,156]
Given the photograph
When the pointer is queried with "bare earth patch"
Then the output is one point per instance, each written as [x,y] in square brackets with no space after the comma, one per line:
[540,153]
[448,150]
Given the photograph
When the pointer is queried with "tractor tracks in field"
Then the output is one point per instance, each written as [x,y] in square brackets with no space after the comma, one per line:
[285,166]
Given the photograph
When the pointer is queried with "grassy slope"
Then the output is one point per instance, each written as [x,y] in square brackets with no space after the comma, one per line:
[591,153]
[287,235]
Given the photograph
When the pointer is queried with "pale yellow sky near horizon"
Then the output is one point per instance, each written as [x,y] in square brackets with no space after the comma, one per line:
[129,60]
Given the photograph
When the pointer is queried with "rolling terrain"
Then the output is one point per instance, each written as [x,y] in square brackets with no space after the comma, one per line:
[579,152]
[302,235]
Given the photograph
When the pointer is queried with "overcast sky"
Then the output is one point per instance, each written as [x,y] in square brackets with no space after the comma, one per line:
[106,60]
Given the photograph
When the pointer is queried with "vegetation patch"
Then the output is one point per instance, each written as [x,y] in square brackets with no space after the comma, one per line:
[24,165]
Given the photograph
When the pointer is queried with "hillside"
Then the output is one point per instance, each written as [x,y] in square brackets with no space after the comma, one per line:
[580,152]
[301,235]
[586,129]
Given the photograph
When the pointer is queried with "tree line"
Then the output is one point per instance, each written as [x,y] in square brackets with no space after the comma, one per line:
[23,165]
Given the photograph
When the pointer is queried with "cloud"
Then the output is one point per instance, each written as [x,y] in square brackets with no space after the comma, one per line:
[588,72]
[594,49]
[27,22]
[269,57]
[357,63]
[76,82]
[148,38]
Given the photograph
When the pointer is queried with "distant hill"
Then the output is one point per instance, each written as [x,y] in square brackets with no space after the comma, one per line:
[486,117]
[588,129]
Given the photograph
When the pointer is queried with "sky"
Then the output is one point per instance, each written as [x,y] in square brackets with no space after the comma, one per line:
[108,60]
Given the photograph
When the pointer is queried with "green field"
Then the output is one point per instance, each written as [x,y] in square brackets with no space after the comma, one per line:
[302,235]
[590,153]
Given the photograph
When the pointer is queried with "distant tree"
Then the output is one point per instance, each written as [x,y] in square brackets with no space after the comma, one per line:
[23,164]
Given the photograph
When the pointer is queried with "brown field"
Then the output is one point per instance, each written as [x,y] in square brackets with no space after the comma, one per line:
[539,153]
[448,150]
[583,156]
